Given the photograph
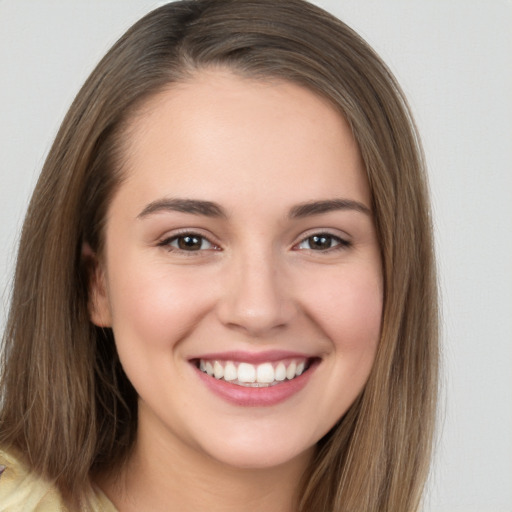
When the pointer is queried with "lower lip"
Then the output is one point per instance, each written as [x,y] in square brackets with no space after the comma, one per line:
[257,397]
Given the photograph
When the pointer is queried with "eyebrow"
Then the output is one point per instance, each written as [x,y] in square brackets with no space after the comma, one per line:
[319,207]
[211,209]
[193,206]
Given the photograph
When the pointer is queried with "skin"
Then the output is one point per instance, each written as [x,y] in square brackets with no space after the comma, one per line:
[257,283]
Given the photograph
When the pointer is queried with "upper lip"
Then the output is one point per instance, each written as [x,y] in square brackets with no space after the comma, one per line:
[253,357]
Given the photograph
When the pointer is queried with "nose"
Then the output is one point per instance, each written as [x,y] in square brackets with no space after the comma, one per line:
[257,296]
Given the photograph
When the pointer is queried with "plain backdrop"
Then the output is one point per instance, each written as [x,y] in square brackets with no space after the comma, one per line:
[453,59]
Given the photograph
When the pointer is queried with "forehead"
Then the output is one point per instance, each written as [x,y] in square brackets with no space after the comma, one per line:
[218,131]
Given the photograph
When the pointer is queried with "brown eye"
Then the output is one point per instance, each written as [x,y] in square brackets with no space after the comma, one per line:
[322,242]
[189,242]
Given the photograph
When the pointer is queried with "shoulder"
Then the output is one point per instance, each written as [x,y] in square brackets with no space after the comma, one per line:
[23,491]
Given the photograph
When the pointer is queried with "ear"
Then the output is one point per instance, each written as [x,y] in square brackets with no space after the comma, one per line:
[98,303]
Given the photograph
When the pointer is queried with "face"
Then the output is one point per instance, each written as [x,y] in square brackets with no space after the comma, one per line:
[241,274]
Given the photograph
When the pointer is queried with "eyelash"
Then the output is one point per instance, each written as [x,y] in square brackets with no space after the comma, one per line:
[167,243]
[340,243]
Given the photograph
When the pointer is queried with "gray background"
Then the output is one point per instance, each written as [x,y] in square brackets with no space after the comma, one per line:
[453,59]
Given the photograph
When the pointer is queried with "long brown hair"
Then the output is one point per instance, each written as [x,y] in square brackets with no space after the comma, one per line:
[66,402]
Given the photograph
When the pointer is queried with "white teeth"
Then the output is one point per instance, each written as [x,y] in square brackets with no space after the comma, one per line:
[265,373]
[253,375]
[246,372]
[290,371]
[218,370]
[230,372]
[280,373]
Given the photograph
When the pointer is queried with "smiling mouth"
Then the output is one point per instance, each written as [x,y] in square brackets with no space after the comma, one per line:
[261,375]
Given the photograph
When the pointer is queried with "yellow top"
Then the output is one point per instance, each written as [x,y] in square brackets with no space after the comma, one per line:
[22,491]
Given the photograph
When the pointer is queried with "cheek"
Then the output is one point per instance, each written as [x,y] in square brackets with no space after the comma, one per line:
[348,307]
[155,307]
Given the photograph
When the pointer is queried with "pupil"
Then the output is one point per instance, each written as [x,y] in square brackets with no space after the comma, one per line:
[189,243]
[320,242]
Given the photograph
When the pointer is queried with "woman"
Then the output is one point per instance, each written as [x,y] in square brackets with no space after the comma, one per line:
[225,291]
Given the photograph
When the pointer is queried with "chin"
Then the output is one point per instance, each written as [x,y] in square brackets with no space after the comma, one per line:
[251,459]
[253,452]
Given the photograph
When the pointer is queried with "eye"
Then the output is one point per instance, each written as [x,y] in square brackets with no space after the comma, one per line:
[322,242]
[189,242]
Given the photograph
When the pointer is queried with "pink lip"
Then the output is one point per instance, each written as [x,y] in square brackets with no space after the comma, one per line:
[269,356]
[255,397]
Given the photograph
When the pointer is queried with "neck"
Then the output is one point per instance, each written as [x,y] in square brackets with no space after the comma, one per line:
[174,477]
